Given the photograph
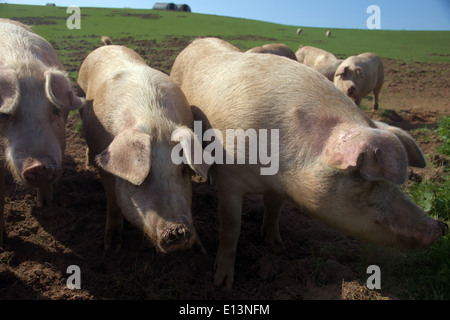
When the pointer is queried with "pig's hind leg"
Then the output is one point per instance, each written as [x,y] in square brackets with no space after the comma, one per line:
[270,230]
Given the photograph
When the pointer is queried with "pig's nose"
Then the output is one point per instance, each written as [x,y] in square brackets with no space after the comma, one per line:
[178,234]
[38,174]
[351,90]
[176,237]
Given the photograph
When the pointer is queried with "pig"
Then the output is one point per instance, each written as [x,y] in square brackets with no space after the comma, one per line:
[357,76]
[320,60]
[275,48]
[333,161]
[35,98]
[128,120]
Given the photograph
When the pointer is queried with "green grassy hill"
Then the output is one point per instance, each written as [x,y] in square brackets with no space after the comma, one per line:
[50,22]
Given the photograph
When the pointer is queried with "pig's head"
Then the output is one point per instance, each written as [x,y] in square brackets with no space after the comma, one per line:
[360,171]
[34,103]
[152,191]
[348,79]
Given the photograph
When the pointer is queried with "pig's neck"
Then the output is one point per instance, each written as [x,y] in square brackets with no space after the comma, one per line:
[304,186]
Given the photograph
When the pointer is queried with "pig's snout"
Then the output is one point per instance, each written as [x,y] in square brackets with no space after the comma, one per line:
[38,174]
[176,237]
[440,229]
[443,227]
[424,239]
[351,91]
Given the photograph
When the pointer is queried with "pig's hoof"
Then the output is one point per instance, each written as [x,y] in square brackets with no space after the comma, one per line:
[223,279]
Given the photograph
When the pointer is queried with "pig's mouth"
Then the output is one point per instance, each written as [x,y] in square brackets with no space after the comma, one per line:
[421,240]
[175,237]
[40,173]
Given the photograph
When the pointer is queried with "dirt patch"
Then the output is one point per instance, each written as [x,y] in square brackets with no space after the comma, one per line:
[33,21]
[42,243]
[151,16]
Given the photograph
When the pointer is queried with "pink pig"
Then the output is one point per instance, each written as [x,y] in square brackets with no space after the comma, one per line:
[35,98]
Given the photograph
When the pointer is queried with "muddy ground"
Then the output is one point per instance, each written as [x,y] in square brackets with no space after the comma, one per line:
[317,263]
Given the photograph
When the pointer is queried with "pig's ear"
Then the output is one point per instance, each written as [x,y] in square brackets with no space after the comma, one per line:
[341,70]
[192,150]
[377,156]
[9,91]
[413,151]
[59,90]
[128,156]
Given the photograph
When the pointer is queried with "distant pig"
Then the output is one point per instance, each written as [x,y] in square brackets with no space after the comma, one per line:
[320,60]
[357,76]
[275,48]
[130,115]
[334,162]
[35,97]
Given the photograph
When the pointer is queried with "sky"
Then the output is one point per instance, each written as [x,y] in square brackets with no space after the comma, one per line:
[393,14]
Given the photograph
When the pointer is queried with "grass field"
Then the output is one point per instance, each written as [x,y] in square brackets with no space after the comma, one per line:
[425,46]
[424,274]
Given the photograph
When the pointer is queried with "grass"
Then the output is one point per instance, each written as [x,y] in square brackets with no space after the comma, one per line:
[421,274]
[424,46]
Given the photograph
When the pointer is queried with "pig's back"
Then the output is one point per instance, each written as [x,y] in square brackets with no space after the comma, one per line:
[21,45]
[257,91]
[125,90]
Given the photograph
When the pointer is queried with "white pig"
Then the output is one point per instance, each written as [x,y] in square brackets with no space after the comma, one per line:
[130,114]
[35,97]
[357,76]
[320,60]
[275,48]
[334,162]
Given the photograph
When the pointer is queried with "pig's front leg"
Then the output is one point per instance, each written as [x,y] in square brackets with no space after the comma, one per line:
[44,196]
[114,217]
[230,209]
[270,230]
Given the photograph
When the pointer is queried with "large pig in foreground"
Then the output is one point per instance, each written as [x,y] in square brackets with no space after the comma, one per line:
[358,76]
[35,97]
[130,114]
[333,161]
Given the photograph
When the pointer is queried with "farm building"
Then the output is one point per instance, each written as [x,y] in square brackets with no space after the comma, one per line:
[171,6]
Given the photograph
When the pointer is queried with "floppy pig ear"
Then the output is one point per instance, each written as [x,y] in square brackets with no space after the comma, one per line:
[128,156]
[375,155]
[192,150]
[9,90]
[413,151]
[59,90]
[341,70]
